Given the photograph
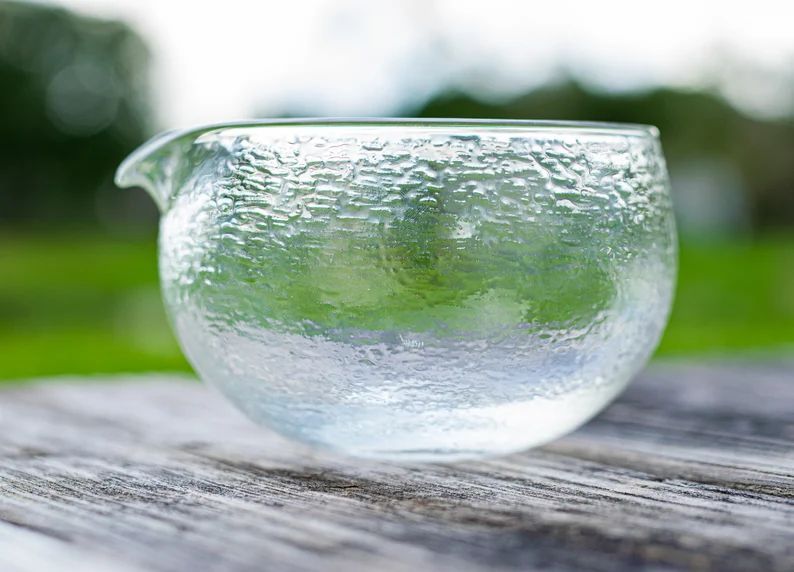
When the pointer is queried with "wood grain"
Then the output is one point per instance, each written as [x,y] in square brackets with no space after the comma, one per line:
[691,469]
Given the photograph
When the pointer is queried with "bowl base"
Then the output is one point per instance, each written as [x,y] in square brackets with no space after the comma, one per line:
[440,435]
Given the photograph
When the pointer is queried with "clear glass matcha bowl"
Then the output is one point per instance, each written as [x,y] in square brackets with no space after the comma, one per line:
[414,289]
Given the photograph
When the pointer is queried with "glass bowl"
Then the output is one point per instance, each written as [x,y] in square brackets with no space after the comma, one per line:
[414,289]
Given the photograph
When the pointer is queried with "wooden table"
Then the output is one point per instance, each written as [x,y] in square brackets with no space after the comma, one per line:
[692,468]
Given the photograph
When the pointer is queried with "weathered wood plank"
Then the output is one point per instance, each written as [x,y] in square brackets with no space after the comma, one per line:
[693,468]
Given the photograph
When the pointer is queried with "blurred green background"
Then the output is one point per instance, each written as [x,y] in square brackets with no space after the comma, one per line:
[78,277]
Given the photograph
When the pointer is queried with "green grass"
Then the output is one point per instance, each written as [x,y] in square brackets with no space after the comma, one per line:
[81,304]
[77,304]
[733,296]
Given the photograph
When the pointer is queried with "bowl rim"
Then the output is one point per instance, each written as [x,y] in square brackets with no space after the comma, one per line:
[527,125]
[516,126]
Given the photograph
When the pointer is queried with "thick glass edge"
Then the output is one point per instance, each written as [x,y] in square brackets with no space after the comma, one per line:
[530,124]
[518,125]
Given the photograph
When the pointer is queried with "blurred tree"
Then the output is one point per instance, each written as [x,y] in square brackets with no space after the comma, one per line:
[722,162]
[74,101]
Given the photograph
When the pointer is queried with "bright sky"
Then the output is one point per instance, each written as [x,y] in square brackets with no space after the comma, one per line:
[215,61]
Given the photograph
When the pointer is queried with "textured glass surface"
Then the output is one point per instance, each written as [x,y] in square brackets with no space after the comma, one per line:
[411,289]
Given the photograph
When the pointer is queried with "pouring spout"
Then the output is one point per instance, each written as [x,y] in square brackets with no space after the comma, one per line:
[153,166]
